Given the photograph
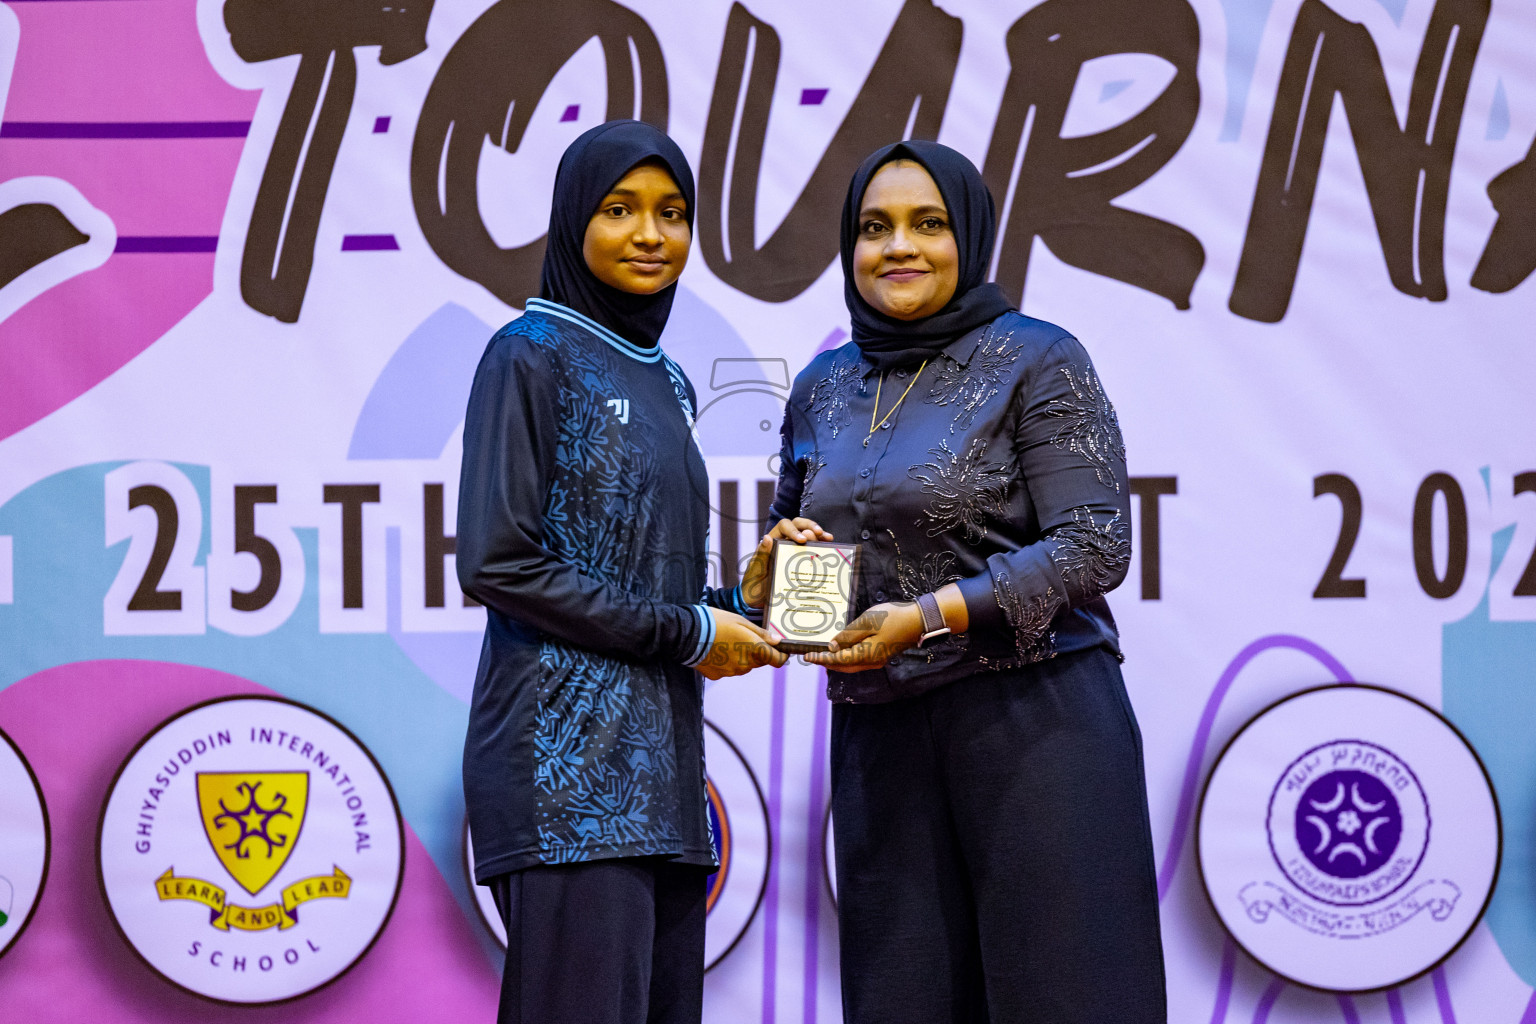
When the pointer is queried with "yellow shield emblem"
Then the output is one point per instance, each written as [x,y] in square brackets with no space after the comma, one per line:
[253,821]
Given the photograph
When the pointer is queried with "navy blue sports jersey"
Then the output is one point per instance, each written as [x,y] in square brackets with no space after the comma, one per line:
[582,529]
[1002,469]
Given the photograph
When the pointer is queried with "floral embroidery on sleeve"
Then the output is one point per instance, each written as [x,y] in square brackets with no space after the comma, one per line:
[917,576]
[830,396]
[1090,557]
[925,575]
[1089,427]
[1030,617]
[966,490]
[971,386]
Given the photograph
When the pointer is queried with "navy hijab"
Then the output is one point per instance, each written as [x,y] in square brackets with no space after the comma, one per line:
[590,167]
[889,342]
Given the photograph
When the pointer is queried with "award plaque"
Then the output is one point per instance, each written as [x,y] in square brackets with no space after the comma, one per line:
[810,593]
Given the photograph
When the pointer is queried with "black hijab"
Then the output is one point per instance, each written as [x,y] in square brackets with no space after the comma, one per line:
[590,167]
[886,341]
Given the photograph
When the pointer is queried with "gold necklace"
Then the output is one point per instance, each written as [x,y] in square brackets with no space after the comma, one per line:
[873,426]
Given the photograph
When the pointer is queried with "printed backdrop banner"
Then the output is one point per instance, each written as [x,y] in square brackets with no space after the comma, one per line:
[251,251]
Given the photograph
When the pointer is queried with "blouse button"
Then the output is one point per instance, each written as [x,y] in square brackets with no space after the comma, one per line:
[864,471]
[864,535]
[879,595]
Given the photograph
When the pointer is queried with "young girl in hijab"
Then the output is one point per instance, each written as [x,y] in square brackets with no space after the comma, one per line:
[994,861]
[583,765]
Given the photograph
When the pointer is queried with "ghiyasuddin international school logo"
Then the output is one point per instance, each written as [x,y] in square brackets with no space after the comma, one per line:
[250,850]
[252,840]
[1349,838]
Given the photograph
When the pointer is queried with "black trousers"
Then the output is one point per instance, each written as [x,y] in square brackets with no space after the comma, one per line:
[994,860]
[603,942]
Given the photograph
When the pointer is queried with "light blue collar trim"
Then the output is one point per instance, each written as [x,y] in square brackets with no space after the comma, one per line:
[629,348]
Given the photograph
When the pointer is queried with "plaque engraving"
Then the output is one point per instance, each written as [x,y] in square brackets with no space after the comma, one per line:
[810,593]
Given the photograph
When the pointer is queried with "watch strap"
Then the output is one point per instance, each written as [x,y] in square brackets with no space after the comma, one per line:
[933,620]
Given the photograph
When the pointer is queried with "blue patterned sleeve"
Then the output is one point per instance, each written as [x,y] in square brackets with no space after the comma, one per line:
[1071,456]
[509,460]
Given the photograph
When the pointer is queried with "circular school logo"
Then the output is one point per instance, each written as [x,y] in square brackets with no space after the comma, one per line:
[738,818]
[250,850]
[1349,838]
[1348,835]
[23,843]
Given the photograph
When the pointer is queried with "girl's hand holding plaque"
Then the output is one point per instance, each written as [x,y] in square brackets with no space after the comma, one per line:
[754,581]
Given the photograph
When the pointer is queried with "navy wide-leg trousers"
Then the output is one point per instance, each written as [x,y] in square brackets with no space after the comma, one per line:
[603,942]
[994,859]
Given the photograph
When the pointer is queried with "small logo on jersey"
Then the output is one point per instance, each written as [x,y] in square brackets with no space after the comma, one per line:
[620,407]
[1351,883]
[250,850]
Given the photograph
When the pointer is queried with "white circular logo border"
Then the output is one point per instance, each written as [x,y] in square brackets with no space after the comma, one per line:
[394,803]
[14,939]
[737,864]
[1450,727]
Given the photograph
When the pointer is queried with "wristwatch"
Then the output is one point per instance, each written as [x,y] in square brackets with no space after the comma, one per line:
[933,619]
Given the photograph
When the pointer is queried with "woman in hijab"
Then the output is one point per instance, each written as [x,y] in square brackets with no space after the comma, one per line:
[994,861]
[583,765]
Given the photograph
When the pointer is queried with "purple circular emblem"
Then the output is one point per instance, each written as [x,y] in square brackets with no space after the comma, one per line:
[1348,823]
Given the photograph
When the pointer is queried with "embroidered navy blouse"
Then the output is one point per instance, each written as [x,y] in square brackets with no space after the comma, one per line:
[1002,470]
[585,732]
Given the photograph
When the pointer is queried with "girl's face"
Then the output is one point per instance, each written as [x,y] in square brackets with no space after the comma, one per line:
[905,262]
[637,241]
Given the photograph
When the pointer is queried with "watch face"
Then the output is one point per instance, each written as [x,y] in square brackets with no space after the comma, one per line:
[937,634]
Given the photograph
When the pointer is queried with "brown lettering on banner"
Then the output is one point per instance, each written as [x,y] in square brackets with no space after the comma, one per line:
[487,88]
[280,243]
[1510,255]
[248,541]
[1407,169]
[1060,189]
[437,544]
[30,235]
[903,97]
[1148,490]
[351,498]
[147,596]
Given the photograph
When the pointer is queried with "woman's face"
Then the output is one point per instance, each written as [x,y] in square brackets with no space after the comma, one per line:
[905,262]
[637,241]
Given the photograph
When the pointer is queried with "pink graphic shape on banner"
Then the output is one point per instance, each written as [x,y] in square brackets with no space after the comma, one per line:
[120,101]
[76,723]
